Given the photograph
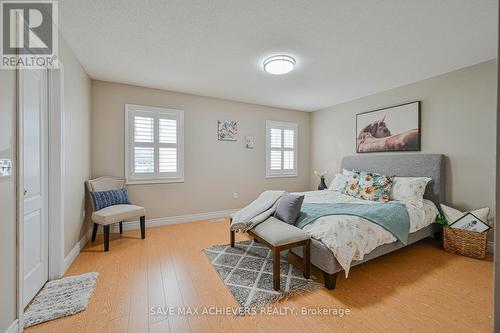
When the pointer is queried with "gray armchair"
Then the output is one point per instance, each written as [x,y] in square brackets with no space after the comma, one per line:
[113,214]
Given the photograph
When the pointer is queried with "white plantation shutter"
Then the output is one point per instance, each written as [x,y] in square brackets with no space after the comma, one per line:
[276,137]
[154,148]
[144,160]
[288,160]
[168,145]
[281,149]
[168,160]
[275,160]
[144,129]
[168,130]
[288,138]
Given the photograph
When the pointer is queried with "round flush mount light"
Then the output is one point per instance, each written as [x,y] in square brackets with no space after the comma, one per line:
[279,64]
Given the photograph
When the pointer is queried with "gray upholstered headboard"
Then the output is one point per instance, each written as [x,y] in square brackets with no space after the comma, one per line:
[404,165]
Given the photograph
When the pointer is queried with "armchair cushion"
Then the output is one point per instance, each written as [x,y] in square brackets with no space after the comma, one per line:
[103,199]
[117,213]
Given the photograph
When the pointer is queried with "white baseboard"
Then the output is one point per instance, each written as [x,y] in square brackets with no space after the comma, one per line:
[13,328]
[491,247]
[162,221]
[75,251]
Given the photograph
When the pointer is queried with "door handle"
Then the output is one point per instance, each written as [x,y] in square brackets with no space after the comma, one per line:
[25,192]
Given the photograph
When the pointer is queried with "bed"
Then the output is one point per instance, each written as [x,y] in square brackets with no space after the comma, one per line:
[404,165]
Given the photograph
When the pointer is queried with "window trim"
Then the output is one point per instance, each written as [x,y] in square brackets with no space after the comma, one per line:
[282,125]
[153,178]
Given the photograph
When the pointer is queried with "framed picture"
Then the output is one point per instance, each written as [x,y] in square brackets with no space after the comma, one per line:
[395,128]
[5,167]
[227,130]
[470,222]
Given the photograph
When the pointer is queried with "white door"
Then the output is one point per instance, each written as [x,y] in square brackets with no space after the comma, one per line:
[33,96]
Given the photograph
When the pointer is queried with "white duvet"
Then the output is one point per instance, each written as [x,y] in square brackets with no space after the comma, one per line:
[351,237]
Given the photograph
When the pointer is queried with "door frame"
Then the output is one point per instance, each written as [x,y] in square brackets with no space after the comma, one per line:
[56,165]
[56,170]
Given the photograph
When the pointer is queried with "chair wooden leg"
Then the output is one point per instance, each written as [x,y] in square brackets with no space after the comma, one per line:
[106,238]
[232,236]
[276,269]
[330,280]
[307,259]
[121,228]
[94,231]
[231,232]
[143,227]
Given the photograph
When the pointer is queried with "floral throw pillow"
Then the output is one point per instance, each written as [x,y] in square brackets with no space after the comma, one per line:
[374,186]
[410,190]
[352,185]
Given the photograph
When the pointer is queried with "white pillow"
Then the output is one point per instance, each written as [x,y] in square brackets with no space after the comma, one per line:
[338,183]
[346,172]
[452,214]
[409,189]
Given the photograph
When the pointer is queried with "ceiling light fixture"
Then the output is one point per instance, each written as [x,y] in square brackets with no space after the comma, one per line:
[279,64]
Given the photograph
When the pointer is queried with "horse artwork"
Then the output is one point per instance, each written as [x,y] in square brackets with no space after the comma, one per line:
[395,128]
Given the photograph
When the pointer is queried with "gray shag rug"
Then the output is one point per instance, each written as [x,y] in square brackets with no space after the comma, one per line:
[61,298]
[247,271]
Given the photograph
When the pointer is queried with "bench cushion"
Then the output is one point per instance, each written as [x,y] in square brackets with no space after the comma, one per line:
[278,233]
[117,213]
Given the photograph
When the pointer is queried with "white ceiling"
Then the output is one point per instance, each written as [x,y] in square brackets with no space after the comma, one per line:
[344,49]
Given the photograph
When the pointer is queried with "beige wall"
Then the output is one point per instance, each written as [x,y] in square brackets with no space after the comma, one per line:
[8,277]
[214,170]
[458,119]
[496,272]
[77,100]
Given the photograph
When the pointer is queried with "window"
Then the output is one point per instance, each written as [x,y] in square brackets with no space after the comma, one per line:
[281,149]
[154,145]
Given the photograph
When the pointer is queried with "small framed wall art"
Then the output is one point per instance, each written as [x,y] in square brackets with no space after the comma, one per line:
[227,130]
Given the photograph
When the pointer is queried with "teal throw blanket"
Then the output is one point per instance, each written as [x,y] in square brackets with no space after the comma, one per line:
[392,216]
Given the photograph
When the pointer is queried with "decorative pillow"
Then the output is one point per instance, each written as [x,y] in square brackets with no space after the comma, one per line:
[409,189]
[352,186]
[338,183]
[105,199]
[452,214]
[374,186]
[288,208]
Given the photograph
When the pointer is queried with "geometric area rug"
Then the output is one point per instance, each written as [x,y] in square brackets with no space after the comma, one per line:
[61,298]
[247,271]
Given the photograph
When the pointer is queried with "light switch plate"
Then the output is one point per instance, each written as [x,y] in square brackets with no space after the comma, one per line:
[249,142]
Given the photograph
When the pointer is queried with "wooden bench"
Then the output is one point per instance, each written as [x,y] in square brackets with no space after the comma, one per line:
[278,236]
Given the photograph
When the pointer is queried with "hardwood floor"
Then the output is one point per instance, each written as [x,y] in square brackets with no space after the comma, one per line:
[420,288]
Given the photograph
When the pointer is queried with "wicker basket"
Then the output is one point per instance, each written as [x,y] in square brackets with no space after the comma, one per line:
[467,243]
